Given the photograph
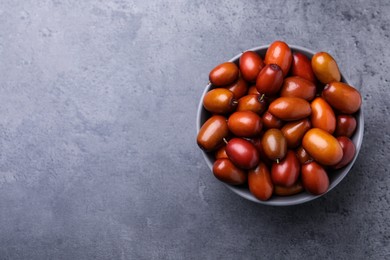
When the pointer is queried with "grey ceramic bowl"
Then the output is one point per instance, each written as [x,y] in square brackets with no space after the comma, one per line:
[335,177]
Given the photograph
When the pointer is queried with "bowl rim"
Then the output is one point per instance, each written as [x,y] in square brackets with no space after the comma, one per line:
[359,132]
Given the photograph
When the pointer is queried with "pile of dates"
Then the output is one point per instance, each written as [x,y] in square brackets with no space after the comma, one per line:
[279,124]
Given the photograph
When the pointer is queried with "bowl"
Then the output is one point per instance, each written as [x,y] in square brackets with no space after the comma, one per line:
[335,176]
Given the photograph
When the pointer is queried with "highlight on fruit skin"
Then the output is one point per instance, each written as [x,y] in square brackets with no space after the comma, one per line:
[325,68]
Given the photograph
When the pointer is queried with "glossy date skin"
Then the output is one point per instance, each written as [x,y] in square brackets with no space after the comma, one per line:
[301,67]
[225,171]
[269,80]
[239,88]
[298,87]
[294,132]
[322,146]
[322,115]
[212,133]
[254,103]
[290,108]
[253,90]
[314,178]
[242,153]
[345,125]
[245,123]
[256,141]
[325,68]
[250,65]
[349,151]
[219,101]
[279,53]
[271,121]
[260,183]
[303,156]
[286,172]
[274,144]
[224,74]
[342,97]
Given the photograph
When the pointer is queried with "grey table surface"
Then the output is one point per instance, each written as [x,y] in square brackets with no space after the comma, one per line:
[98,158]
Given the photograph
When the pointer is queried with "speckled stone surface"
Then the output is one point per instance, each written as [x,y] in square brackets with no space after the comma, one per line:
[98,158]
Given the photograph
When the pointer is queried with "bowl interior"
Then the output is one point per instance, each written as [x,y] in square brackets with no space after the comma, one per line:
[335,176]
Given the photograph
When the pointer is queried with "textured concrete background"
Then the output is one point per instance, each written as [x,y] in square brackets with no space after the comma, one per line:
[98,158]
